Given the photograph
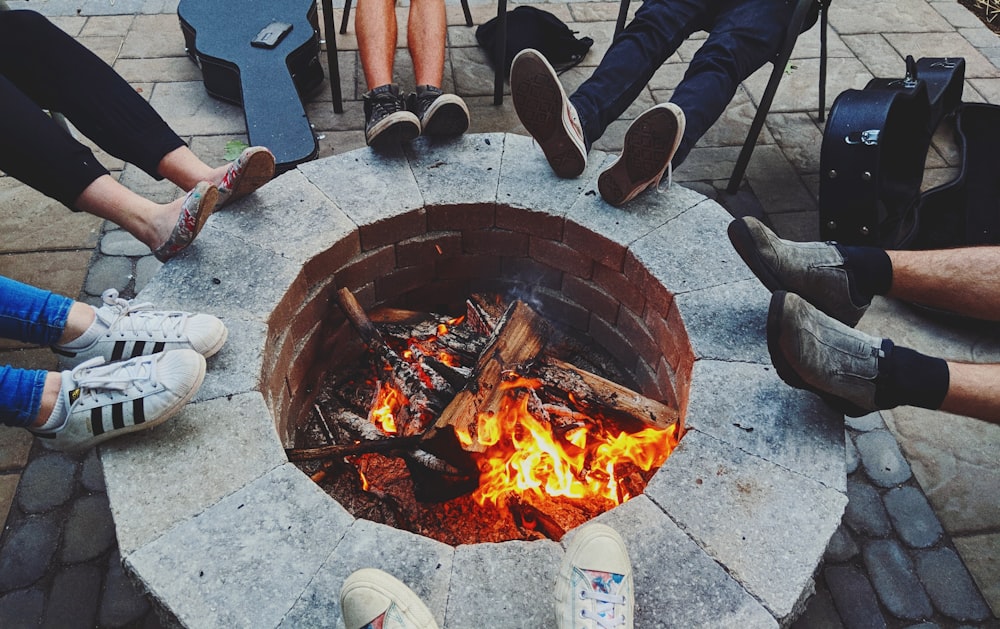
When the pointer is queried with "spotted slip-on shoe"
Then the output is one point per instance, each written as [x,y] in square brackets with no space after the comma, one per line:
[197,207]
[251,170]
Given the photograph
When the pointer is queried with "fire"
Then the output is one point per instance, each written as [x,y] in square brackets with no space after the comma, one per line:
[387,403]
[525,454]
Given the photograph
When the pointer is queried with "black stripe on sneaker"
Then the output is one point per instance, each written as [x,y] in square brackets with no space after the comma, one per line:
[117,416]
[96,420]
[137,348]
[116,353]
[158,347]
[138,411]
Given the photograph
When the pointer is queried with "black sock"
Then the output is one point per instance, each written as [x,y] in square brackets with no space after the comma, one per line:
[870,270]
[909,378]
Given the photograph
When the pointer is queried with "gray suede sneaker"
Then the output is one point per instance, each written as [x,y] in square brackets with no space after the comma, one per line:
[817,353]
[813,270]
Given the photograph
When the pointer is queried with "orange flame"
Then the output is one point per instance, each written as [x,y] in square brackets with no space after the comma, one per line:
[387,403]
[524,454]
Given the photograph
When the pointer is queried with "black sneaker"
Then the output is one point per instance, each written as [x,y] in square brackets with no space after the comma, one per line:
[439,113]
[387,121]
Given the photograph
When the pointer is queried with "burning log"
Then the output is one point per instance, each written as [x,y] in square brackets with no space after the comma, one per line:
[517,340]
[338,450]
[592,394]
[422,403]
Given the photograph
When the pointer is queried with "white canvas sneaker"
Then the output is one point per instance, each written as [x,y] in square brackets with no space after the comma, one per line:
[136,329]
[370,598]
[543,108]
[107,401]
[594,589]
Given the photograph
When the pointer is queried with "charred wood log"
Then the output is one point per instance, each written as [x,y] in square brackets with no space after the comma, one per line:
[423,403]
[351,449]
[517,340]
[593,395]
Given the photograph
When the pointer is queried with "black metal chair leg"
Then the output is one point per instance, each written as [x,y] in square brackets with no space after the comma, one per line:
[622,16]
[465,10]
[331,56]
[347,14]
[501,52]
[794,27]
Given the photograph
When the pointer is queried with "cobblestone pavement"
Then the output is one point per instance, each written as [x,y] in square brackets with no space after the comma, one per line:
[920,542]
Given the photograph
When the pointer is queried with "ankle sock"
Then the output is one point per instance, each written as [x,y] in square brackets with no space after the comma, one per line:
[58,415]
[870,271]
[907,377]
[91,334]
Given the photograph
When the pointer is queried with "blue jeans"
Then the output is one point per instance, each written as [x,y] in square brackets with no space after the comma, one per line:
[743,36]
[31,315]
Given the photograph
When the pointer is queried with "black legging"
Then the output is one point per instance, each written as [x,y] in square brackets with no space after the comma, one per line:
[41,67]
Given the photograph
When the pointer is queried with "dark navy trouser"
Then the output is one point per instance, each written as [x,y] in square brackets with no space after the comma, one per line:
[743,35]
[42,67]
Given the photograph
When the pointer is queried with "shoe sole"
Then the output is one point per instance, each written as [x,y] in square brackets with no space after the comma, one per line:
[214,349]
[258,170]
[540,103]
[744,244]
[395,129]
[650,143]
[393,589]
[775,314]
[447,116]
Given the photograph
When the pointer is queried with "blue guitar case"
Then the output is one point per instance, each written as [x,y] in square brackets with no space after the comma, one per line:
[264,56]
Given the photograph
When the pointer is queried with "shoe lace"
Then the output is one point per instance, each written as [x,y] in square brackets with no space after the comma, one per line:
[124,316]
[94,378]
[385,104]
[604,612]
[660,189]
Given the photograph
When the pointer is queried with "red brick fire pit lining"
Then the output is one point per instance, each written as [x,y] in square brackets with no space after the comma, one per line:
[224,532]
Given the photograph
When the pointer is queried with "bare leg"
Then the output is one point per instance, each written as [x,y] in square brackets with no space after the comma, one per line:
[375,25]
[425,36]
[964,280]
[149,222]
[974,391]
[186,170]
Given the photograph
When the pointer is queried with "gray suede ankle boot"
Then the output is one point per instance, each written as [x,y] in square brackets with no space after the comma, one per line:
[817,353]
[813,270]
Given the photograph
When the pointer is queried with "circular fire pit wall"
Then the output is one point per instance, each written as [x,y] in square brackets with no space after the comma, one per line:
[729,531]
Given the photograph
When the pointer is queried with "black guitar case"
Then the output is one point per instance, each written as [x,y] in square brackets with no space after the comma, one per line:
[966,210]
[872,164]
[873,153]
[264,56]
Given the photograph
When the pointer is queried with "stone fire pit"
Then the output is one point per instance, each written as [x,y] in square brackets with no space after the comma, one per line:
[223,532]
